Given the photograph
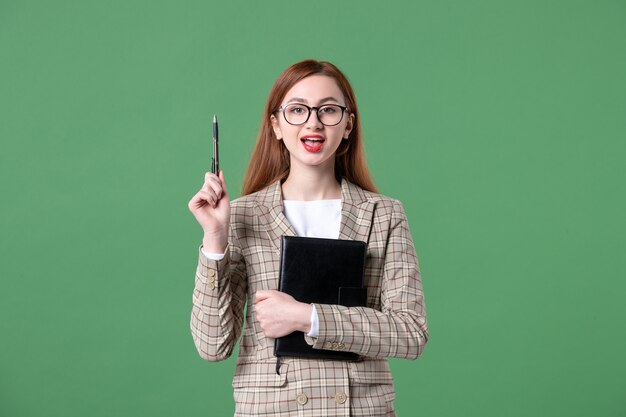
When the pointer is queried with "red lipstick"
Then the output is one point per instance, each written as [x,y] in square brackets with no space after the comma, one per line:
[313,143]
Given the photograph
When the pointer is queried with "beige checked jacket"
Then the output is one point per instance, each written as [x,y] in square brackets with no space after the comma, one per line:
[392,325]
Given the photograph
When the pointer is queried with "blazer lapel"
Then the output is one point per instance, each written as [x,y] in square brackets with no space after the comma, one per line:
[270,211]
[357,212]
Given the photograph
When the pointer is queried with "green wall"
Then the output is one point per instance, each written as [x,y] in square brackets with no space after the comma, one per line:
[500,125]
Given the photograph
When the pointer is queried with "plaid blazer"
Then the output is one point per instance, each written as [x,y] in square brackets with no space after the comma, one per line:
[392,325]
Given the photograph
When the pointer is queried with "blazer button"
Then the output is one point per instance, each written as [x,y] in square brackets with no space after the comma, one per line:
[328,345]
[341,346]
[211,279]
[211,285]
[302,399]
[340,398]
[211,272]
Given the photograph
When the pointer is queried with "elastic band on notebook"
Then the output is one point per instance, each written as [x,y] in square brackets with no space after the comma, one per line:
[278,365]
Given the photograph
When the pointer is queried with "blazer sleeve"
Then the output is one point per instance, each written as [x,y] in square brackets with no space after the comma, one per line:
[400,328]
[218,298]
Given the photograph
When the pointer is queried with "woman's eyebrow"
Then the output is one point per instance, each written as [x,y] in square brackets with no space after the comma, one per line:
[304,100]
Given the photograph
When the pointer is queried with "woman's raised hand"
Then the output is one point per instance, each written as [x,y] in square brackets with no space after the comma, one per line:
[211,208]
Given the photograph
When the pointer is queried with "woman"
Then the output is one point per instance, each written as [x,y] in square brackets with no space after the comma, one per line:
[307,177]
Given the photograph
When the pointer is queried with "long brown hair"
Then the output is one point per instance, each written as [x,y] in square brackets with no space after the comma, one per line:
[270,159]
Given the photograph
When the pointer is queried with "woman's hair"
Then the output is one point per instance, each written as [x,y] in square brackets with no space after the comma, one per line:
[270,158]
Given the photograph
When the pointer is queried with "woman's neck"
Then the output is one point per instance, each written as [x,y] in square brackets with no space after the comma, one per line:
[311,184]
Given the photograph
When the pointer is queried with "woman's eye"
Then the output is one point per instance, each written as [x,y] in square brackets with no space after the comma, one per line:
[297,110]
[328,109]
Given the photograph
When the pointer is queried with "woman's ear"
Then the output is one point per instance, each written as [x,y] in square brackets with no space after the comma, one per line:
[349,126]
[276,128]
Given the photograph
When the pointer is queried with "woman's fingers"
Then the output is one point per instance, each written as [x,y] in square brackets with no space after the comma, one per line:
[211,208]
[221,176]
[210,197]
[212,183]
[262,295]
[279,313]
[215,183]
[202,198]
[212,192]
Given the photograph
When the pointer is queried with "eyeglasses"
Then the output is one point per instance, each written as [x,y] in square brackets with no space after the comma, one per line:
[298,114]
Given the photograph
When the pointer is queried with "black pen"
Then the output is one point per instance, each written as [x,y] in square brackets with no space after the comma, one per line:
[215,161]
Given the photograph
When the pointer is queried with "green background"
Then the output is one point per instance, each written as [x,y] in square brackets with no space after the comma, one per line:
[500,125]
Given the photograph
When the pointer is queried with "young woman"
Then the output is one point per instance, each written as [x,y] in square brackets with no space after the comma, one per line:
[307,177]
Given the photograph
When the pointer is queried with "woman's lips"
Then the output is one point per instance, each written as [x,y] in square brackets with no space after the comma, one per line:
[313,144]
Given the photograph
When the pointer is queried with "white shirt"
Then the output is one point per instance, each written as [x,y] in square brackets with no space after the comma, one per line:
[316,218]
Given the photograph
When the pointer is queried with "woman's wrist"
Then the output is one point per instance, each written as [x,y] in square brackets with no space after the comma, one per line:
[214,242]
[304,318]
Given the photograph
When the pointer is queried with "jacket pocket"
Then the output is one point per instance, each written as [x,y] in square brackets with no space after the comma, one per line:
[371,386]
[371,371]
[260,374]
[260,391]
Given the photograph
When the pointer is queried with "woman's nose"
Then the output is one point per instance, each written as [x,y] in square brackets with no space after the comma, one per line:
[314,121]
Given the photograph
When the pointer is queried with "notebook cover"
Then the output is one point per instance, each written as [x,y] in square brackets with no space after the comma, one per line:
[325,271]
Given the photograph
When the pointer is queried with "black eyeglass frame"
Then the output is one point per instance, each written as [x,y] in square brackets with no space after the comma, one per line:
[310,109]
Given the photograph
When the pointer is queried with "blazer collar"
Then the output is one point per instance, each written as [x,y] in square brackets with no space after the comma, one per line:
[356,213]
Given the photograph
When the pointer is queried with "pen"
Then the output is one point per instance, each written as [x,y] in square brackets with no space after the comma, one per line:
[215,161]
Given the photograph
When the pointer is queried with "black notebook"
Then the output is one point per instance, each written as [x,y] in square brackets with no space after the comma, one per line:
[325,271]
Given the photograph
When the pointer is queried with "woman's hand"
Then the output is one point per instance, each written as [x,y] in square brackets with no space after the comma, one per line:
[279,314]
[211,208]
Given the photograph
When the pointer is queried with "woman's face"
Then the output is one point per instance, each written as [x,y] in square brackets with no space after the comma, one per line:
[312,143]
